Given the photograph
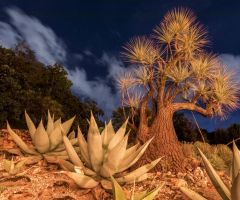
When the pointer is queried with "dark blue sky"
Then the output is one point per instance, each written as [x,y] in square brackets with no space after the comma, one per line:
[105,26]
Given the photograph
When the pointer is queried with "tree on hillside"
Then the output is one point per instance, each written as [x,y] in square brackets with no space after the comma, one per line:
[172,72]
[25,83]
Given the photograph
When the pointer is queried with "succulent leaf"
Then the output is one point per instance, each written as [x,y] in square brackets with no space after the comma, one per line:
[20,164]
[191,194]
[236,161]
[57,122]
[72,153]
[131,150]
[61,147]
[41,140]
[95,149]
[67,125]
[83,147]
[235,191]
[7,165]
[118,136]
[20,142]
[30,125]
[152,194]
[114,157]
[29,160]
[50,124]
[65,165]
[55,137]
[138,172]
[82,180]
[133,158]
[71,135]
[216,180]
[107,134]
[118,193]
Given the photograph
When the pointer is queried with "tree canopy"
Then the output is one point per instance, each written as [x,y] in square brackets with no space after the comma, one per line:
[26,83]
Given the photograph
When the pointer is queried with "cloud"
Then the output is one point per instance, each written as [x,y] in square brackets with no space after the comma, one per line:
[97,89]
[232,62]
[49,48]
[115,66]
[102,90]
[8,36]
[40,38]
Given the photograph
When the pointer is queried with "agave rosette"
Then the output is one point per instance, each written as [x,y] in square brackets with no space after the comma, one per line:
[104,155]
[118,193]
[13,168]
[47,143]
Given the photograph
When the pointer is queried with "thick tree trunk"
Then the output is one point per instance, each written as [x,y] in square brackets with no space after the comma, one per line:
[165,143]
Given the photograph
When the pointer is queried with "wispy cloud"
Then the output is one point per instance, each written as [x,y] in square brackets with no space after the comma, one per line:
[8,36]
[42,39]
[49,48]
[233,62]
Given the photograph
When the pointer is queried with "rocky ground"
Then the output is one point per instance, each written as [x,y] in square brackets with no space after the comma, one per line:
[45,182]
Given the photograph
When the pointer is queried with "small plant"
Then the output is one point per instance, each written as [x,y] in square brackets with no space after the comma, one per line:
[47,143]
[2,188]
[227,194]
[11,167]
[118,193]
[105,155]
[219,155]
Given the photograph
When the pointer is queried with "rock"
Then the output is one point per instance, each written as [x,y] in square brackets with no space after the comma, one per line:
[189,178]
[181,175]
[181,183]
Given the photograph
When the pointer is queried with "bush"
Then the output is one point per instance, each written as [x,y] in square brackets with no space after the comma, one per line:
[219,155]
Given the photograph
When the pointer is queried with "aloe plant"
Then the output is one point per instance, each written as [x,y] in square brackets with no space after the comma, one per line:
[118,193]
[227,194]
[11,167]
[47,143]
[105,155]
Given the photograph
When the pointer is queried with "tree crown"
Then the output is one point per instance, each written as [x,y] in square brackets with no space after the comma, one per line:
[172,67]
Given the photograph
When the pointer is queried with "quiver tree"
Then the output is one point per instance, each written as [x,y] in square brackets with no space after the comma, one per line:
[172,71]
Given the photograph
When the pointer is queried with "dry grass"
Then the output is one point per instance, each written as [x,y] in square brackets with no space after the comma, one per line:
[219,155]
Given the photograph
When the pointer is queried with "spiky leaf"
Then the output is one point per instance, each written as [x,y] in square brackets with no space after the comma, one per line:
[107,134]
[30,125]
[67,125]
[20,142]
[216,180]
[95,149]
[132,159]
[83,147]
[57,122]
[118,136]
[55,138]
[138,172]
[71,135]
[150,195]
[235,191]
[50,124]
[236,161]
[118,193]
[72,153]
[82,181]
[114,158]
[191,194]
[41,140]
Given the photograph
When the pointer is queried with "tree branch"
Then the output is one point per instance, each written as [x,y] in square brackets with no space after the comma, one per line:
[193,107]
[144,104]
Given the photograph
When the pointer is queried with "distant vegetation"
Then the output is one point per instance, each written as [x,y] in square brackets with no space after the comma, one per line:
[25,83]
